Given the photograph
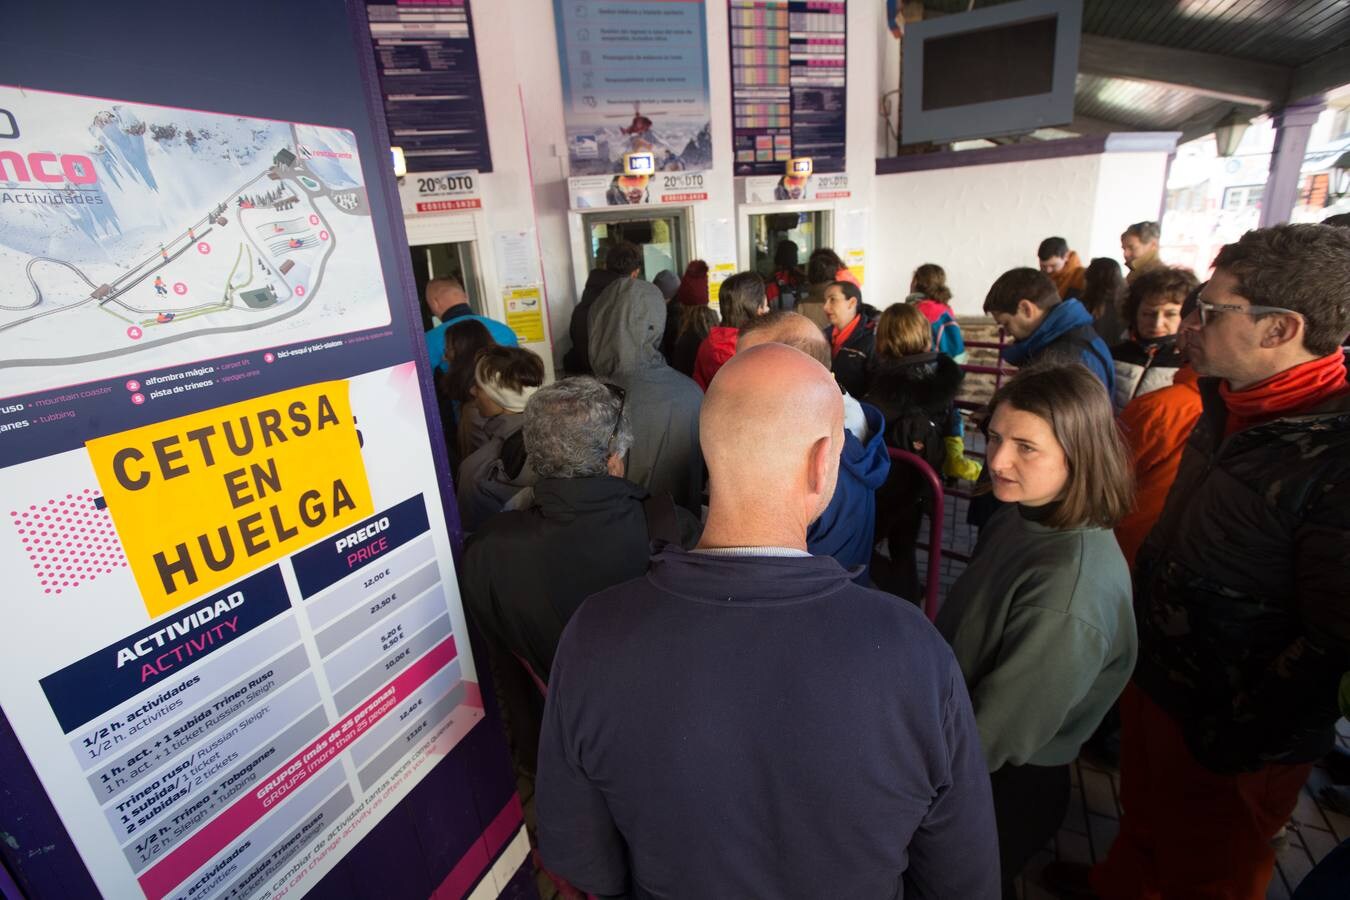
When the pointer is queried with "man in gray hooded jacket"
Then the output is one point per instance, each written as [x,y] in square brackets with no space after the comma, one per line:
[626,325]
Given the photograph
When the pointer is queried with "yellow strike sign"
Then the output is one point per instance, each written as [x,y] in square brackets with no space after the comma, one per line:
[202,500]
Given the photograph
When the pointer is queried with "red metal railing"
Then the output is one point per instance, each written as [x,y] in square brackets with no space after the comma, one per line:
[930,593]
[1000,371]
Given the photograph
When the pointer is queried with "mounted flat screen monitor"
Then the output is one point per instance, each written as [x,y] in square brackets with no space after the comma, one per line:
[1005,69]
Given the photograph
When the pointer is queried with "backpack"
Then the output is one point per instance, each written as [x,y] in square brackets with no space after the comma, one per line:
[956,344]
[787,292]
[914,430]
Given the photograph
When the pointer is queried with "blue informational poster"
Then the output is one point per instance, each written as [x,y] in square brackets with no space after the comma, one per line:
[240,666]
[635,78]
[433,99]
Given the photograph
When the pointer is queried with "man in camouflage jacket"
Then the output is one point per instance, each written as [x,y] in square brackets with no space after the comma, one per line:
[1242,589]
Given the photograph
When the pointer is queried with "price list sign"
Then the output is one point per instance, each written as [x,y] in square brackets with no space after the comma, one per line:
[428,68]
[273,710]
[788,83]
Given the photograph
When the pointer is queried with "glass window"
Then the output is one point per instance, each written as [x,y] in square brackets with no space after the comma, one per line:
[661,238]
[809,230]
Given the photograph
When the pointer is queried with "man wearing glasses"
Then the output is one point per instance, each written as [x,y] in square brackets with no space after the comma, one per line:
[1241,587]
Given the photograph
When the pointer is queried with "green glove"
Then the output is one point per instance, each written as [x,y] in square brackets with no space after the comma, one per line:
[956,465]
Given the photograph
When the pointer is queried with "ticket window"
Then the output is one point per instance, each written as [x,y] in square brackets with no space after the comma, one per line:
[456,259]
[663,239]
[808,229]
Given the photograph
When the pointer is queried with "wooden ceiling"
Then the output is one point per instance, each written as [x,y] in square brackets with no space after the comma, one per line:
[1180,65]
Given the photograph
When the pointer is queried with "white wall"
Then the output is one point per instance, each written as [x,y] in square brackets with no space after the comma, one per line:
[1130,188]
[979,221]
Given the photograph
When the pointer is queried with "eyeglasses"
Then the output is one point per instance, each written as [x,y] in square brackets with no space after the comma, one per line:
[618,420]
[1207,309]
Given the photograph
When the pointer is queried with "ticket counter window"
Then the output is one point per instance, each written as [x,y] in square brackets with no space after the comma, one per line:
[450,260]
[808,230]
[662,239]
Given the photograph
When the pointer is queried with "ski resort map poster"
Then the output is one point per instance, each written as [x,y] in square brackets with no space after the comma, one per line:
[236,640]
[129,230]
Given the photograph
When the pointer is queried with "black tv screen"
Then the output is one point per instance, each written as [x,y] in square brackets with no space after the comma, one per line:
[988,65]
[1004,69]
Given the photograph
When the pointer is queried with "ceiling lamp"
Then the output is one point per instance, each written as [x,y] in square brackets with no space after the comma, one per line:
[1229,130]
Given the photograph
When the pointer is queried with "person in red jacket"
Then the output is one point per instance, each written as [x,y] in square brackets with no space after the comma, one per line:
[741,298]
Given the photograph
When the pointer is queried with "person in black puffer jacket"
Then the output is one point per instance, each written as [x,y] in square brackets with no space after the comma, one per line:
[852,335]
[915,389]
[1149,359]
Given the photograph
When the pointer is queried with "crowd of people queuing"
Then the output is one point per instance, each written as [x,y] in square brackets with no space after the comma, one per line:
[687,558]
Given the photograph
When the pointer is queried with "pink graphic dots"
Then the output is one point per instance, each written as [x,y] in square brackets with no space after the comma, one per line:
[77,536]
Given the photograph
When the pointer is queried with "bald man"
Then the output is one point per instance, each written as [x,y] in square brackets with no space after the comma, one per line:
[448,304]
[847,527]
[745,721]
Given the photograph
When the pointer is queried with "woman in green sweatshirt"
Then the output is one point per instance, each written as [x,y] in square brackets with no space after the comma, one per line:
[1041,620]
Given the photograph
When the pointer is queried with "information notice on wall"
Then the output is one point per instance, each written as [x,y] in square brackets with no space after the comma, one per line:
[788,83]
[635,79]
[428,68]
[221,527]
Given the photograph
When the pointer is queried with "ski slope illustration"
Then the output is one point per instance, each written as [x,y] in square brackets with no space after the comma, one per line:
[135,237]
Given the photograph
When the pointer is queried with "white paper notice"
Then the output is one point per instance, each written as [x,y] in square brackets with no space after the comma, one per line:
[853,229]
[517,258]
[721,235]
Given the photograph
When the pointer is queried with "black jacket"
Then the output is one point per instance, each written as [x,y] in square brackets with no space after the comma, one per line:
[577,360]
[525,572]
[681,352]
[928,381]
[1240,591]
[853,363]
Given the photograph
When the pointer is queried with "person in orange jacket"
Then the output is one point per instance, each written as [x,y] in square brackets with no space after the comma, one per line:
[1156,427]
[1063,266]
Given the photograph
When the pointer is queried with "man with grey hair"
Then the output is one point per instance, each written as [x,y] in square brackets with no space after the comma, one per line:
[526,571]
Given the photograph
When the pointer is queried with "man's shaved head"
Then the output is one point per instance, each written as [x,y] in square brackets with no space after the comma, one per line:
[771,427]
[443,293]
[793,329]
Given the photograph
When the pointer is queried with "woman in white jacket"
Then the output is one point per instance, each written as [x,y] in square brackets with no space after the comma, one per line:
[1148,359]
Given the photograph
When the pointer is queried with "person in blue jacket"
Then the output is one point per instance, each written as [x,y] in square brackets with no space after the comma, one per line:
[448,304]
[847,527]
[1025,303]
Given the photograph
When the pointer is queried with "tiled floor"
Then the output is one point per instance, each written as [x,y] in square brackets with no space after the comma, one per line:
[1094,809]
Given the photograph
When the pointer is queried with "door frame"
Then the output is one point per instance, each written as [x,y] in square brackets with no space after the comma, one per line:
[744,234]
[579,222]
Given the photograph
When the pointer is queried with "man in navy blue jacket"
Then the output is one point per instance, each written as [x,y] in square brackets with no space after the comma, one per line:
[745,720]
[1027,305]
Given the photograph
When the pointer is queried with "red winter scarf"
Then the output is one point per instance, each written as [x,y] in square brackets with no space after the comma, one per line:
[837,341]
[1292,390]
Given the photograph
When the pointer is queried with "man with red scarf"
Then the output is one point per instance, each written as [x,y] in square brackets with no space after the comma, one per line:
[1240,589]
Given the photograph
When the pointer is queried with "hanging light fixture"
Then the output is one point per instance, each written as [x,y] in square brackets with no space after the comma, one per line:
[1229,130]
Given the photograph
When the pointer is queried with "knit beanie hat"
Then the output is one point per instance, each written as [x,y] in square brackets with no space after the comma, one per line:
[694,286]
[668,283]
